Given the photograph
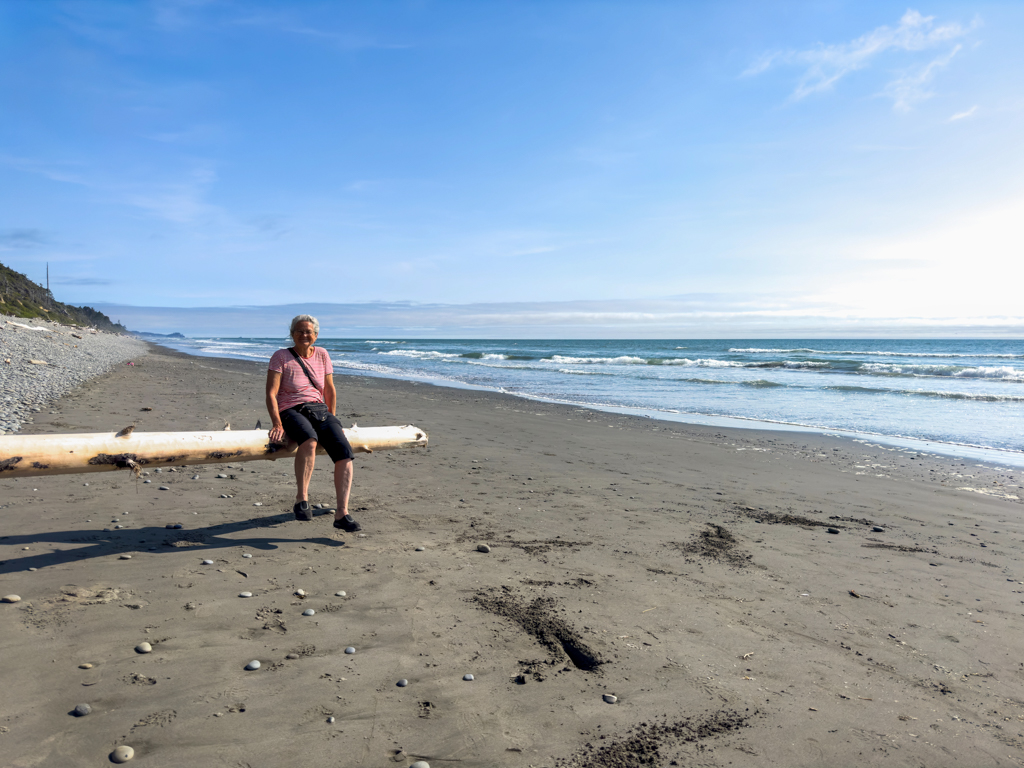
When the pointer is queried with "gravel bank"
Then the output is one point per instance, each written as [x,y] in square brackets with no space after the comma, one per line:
[42,361]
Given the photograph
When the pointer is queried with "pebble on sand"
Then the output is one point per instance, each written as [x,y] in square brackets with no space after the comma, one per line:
[246,555]
[833,530]
[163,488]
[468,677]
[122,754]
[207,562]
[82,710]
[340,594]
[421,549]
[12,598]
[300,592]
[254,664]
[87,665]
[292,656]
[878,529]
[245,594]
[195,477]
[350,649]
[482,548]
[330,719]
[125,557]
[309,612]
[222,477]
[420,764]
[143,648]
[402,683]
[609,699]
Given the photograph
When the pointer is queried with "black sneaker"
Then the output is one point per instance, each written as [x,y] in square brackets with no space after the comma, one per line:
[347,524]
[302,511]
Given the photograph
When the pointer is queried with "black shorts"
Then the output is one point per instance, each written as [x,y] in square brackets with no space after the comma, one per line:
[327,433]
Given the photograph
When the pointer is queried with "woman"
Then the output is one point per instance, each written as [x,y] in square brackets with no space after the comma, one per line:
[301,399]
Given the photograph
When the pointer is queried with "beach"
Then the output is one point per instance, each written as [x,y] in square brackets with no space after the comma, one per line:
[654,593]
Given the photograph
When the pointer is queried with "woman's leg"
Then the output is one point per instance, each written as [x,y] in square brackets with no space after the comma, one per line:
[305,457]
[342,485]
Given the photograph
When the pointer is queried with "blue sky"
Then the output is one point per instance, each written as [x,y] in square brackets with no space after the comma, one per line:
[803,165]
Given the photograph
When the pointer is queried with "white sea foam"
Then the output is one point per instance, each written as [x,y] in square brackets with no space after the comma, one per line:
[866,353]
[1002,372]
[420,354]
[382,342]
[216,350]
[621,360]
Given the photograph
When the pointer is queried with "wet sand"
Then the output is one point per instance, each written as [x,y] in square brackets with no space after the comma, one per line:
[687,571]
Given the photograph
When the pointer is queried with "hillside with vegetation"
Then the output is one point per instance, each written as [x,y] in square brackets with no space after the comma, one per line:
[21,297]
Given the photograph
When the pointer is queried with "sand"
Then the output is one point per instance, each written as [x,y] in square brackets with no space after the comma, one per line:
[685,570]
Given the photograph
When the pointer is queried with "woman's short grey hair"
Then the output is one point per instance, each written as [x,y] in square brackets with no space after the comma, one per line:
[304,319]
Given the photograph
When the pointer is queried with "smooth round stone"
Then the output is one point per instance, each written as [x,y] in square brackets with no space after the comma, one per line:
[122,754]
[143,648]
[609,699]
[300,592]
[207,562]
[163,488]
[222,477]
[361,535]
[350,649]
[119,526]
[178,526]
[339,594]
[878,529]
[33,569]
[87,665]
[309,612]
[245,594]
[246,555]
[292,656]
[254,664]
[468,678]
[12,598]
[330,719]
[420,549]
[125,557]
[147,481]
[833,530]
[195,477]
[402,683]
[482,548]
[258,504]
[420,764]
[82,710]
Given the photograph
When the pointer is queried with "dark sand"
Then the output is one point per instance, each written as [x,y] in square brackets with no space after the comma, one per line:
[686,570]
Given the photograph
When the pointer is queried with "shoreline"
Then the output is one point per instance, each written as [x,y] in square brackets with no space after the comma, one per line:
[994,456]
[687,571]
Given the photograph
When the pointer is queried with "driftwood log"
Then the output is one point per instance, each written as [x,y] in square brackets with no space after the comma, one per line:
[33,455]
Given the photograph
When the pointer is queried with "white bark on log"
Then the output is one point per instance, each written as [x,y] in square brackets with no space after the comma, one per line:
[33,455]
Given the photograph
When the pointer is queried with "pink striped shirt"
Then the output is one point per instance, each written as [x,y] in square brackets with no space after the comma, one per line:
[295,387]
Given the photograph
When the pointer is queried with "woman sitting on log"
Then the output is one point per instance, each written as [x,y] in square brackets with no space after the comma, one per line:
[301,400]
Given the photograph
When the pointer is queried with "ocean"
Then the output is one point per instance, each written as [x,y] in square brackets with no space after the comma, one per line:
[956,396]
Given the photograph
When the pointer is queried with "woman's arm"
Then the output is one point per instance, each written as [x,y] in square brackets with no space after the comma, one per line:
[273,385]
[330,393]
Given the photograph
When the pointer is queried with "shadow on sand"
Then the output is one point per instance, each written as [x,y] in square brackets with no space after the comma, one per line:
[153,540]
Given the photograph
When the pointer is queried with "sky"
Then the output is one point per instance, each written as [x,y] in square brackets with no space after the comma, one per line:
[546,168]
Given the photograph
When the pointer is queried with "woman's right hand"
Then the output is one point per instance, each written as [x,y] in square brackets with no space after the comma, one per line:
[277,435]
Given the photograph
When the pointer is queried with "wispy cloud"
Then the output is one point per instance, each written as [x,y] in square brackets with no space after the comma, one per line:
[825,65]
[964,114]
[17,239]
[180,202]
[912,87]
[81,281]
